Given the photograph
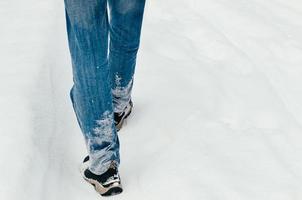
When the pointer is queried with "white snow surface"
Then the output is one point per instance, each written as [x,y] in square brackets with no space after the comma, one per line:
[217,104]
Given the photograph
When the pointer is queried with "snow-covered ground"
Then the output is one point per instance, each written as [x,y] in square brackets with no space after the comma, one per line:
[218,104]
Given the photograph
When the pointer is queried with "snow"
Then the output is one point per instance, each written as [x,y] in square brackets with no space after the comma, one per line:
[217,104]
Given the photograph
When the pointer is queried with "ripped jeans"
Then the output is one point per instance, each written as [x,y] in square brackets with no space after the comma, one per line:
[103,38]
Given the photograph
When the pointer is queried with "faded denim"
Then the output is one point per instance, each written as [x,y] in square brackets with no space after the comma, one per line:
[103,38]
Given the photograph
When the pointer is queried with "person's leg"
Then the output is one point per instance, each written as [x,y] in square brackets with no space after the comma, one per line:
[125,28]
[88,29]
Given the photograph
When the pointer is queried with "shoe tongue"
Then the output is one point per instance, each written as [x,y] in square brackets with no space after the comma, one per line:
[113,165]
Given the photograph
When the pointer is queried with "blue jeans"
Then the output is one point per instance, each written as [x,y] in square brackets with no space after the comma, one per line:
[103,38]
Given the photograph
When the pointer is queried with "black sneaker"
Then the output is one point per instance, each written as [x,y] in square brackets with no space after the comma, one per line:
[119,118]
[106,184]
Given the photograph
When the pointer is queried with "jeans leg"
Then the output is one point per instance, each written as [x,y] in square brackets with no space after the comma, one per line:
[126,18]
[88,30]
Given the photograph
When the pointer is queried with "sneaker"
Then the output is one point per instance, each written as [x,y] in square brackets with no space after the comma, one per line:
[119,118]
[106,184]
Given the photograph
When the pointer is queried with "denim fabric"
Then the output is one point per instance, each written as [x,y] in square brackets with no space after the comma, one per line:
[103,38]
